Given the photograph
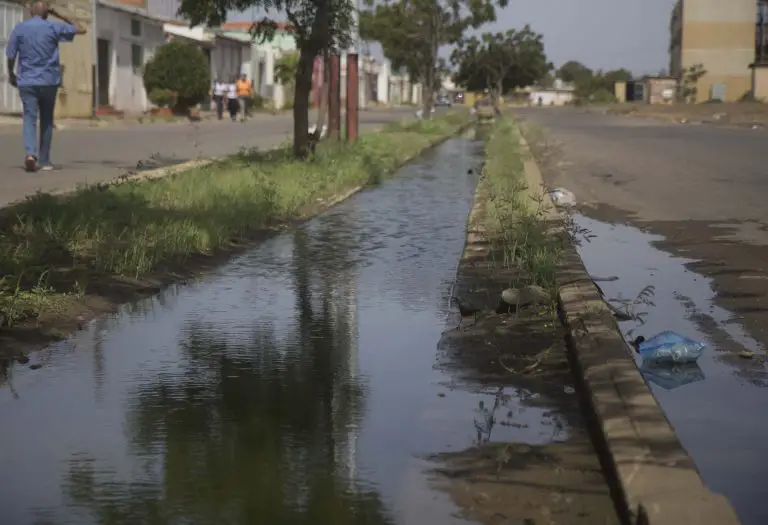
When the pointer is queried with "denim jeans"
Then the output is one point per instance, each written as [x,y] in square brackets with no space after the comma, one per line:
[38,101]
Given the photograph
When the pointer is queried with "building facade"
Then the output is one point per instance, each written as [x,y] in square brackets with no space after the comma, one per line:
[721,37]
[10,15]
[125,42]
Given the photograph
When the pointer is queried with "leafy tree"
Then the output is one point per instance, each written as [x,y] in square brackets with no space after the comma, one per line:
[501,61]
[285,71]
[616,75]
[411,33]
[317,25]
[286,67]
[573,71]
[689,82]
[181,69]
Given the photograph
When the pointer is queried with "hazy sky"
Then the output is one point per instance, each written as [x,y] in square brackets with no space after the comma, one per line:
[603,34]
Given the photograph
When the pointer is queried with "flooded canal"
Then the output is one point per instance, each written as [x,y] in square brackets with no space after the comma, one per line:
[295,385]
[717,408]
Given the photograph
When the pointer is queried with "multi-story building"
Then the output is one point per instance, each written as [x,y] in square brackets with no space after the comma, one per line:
[721,37]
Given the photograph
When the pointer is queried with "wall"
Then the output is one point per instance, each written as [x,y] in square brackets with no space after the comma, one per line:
[550,97]
[721,36]
[10,15]
[658,87]
[382,88]
[263,56]
[126,84]
[75,97]
[760,82]
[226,59]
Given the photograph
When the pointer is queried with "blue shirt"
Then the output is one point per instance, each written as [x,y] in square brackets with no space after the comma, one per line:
[35,44]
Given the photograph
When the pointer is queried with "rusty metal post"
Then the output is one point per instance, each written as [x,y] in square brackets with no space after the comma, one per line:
[352,97]
[334,98]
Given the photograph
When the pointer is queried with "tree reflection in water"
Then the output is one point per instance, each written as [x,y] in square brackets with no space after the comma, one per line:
[249,429]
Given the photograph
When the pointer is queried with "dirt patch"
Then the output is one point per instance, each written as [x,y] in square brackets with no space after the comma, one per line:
[555,480]
[742,114]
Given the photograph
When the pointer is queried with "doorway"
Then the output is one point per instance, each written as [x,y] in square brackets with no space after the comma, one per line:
[104,57]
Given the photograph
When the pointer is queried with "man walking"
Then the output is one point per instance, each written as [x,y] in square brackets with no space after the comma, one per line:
[34,44]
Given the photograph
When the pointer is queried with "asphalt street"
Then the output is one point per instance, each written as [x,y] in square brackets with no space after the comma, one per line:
[682,208]
[91,155]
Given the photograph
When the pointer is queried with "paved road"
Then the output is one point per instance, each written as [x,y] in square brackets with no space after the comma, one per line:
[96,154]
[703,189]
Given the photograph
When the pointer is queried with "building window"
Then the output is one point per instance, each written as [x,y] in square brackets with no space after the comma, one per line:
[137,56]
[135,27]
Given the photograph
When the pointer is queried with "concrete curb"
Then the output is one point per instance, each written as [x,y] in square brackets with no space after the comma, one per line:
[654,480]
[166,171]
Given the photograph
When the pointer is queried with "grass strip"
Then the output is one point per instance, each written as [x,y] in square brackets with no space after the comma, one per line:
[516,218]
[52,246]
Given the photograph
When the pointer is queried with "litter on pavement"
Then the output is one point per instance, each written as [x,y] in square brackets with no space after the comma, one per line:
[562,197]
[668,349]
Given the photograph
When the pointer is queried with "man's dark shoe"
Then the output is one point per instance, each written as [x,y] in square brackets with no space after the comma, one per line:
[30,163]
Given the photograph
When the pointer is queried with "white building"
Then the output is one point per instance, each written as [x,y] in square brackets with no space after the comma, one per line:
[10,15]
[226,55]
[559,94]
[126,40]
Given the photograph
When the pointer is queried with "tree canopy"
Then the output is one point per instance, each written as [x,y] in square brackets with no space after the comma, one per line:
[501,61]
[411,33]
[318,25]
[573,71]
[591,84]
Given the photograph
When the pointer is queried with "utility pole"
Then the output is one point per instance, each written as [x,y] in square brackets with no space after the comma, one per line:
[353,79]
[334,97]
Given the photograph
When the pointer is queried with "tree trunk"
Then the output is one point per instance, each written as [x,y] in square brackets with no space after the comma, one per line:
[301,96]
[427,93]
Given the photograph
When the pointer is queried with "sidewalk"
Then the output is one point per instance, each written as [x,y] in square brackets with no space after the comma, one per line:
[93,155]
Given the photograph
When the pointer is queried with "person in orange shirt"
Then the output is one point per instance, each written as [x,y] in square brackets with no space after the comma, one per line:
[244,93]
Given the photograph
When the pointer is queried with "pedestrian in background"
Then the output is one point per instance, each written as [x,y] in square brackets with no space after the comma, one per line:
[34,45]
[232,102]
[244,93]
[219,94]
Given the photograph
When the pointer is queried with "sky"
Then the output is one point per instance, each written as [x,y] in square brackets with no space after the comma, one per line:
[602,34]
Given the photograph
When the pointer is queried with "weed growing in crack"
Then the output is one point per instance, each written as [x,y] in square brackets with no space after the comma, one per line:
[518,220]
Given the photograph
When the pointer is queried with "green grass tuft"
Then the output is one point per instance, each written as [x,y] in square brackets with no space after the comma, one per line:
[133,229]
[516,220]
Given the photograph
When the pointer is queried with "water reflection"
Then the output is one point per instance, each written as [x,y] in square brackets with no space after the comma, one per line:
[719,408]
[290,387]
[248,432]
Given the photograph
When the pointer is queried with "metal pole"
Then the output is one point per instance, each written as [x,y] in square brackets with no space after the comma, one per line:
[334,98]
[352,97]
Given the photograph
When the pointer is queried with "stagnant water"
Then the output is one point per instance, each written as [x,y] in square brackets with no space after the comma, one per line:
[295,385]
[716,408]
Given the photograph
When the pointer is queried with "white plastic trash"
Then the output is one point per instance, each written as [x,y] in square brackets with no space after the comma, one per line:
[562,197]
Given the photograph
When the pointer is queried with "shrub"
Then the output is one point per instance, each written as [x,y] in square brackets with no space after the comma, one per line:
[180,68]
[163,98]
[602,96]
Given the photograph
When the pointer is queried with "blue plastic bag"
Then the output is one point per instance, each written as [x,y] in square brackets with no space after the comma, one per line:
[670,348]
[671,377]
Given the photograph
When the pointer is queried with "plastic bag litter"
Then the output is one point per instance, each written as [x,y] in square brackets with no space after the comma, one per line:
[562,197]
[670,348]
[671,377]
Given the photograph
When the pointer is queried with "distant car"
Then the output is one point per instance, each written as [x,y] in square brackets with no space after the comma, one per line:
[443,100]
